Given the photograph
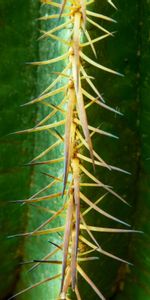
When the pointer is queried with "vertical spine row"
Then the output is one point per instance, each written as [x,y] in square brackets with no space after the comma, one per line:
[77,137]
[72,162]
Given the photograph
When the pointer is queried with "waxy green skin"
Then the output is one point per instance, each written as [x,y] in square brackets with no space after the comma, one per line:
[18,83]
[130,95]
[137,282]
[20,182]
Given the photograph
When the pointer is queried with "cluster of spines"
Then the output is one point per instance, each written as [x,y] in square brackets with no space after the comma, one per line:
[78,134]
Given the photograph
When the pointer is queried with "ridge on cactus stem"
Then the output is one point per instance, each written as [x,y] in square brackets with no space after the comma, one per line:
[74,101]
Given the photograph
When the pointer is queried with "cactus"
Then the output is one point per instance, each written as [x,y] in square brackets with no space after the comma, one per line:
[76,161]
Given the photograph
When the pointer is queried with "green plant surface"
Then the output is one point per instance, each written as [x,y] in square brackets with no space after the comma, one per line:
[38,247]
[137,280]
[18,34]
